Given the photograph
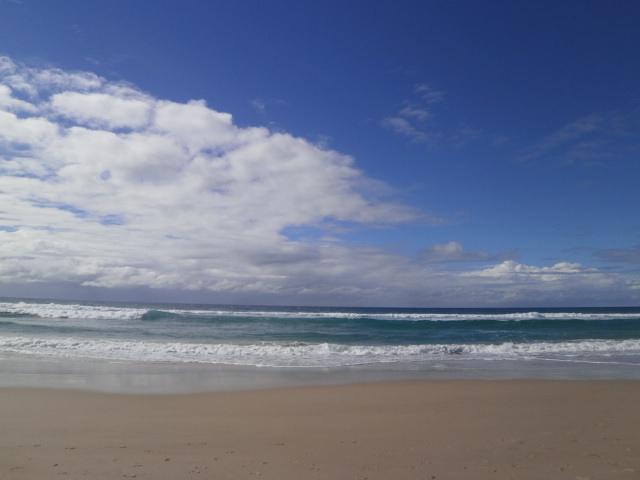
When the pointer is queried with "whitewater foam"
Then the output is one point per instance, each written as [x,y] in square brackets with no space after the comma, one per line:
[299,354]
[72,311]
[102,312]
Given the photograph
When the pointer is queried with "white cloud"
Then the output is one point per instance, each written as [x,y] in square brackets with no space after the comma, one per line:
[259,105]
[10,103]
[411,111]
[28,132]
[404,127]
[102,110]
[105,186]
[592,140]
[413,119]
[454,252]
[263,105]
[510,270]
[181,198]
[428,94]
[563,283]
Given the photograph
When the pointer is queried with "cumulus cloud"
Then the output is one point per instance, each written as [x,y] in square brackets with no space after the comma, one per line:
[10,103]
[563,283]
[454,252]
[102,109]
[103,185]
[511,270]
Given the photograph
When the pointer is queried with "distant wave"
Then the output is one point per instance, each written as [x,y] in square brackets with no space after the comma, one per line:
[300,354]
[152,315]
[74,311]
[101,312]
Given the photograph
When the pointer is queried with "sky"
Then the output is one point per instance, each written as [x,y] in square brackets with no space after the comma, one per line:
[437,154]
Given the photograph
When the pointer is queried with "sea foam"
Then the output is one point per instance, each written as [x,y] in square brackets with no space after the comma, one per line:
[299,354]
[102,312]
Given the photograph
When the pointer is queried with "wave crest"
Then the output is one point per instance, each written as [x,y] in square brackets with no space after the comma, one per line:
[101,312]
[299,354]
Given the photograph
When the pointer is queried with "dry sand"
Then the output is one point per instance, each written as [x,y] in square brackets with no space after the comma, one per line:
[423,430]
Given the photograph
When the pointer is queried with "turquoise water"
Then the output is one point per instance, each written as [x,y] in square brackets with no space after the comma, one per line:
[316,337]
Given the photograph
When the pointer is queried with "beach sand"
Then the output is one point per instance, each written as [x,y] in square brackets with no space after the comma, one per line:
[405,430]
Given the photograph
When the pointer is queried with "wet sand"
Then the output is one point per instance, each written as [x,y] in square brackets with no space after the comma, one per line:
[458,429]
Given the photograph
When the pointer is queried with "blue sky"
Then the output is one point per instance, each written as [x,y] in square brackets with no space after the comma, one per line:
[512,129]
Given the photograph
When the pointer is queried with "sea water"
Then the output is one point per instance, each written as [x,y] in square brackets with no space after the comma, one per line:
[603,341]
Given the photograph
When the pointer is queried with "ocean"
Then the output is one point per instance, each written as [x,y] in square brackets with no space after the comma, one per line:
[308,337]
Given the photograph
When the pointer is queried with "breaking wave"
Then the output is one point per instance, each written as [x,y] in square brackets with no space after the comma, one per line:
[300,354]
[102,312]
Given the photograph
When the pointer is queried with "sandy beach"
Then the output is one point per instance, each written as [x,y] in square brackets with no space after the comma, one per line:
[423,429]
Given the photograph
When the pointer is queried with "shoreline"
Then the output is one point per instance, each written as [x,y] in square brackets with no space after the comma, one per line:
[305,387]
[440,429]
[25,371]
